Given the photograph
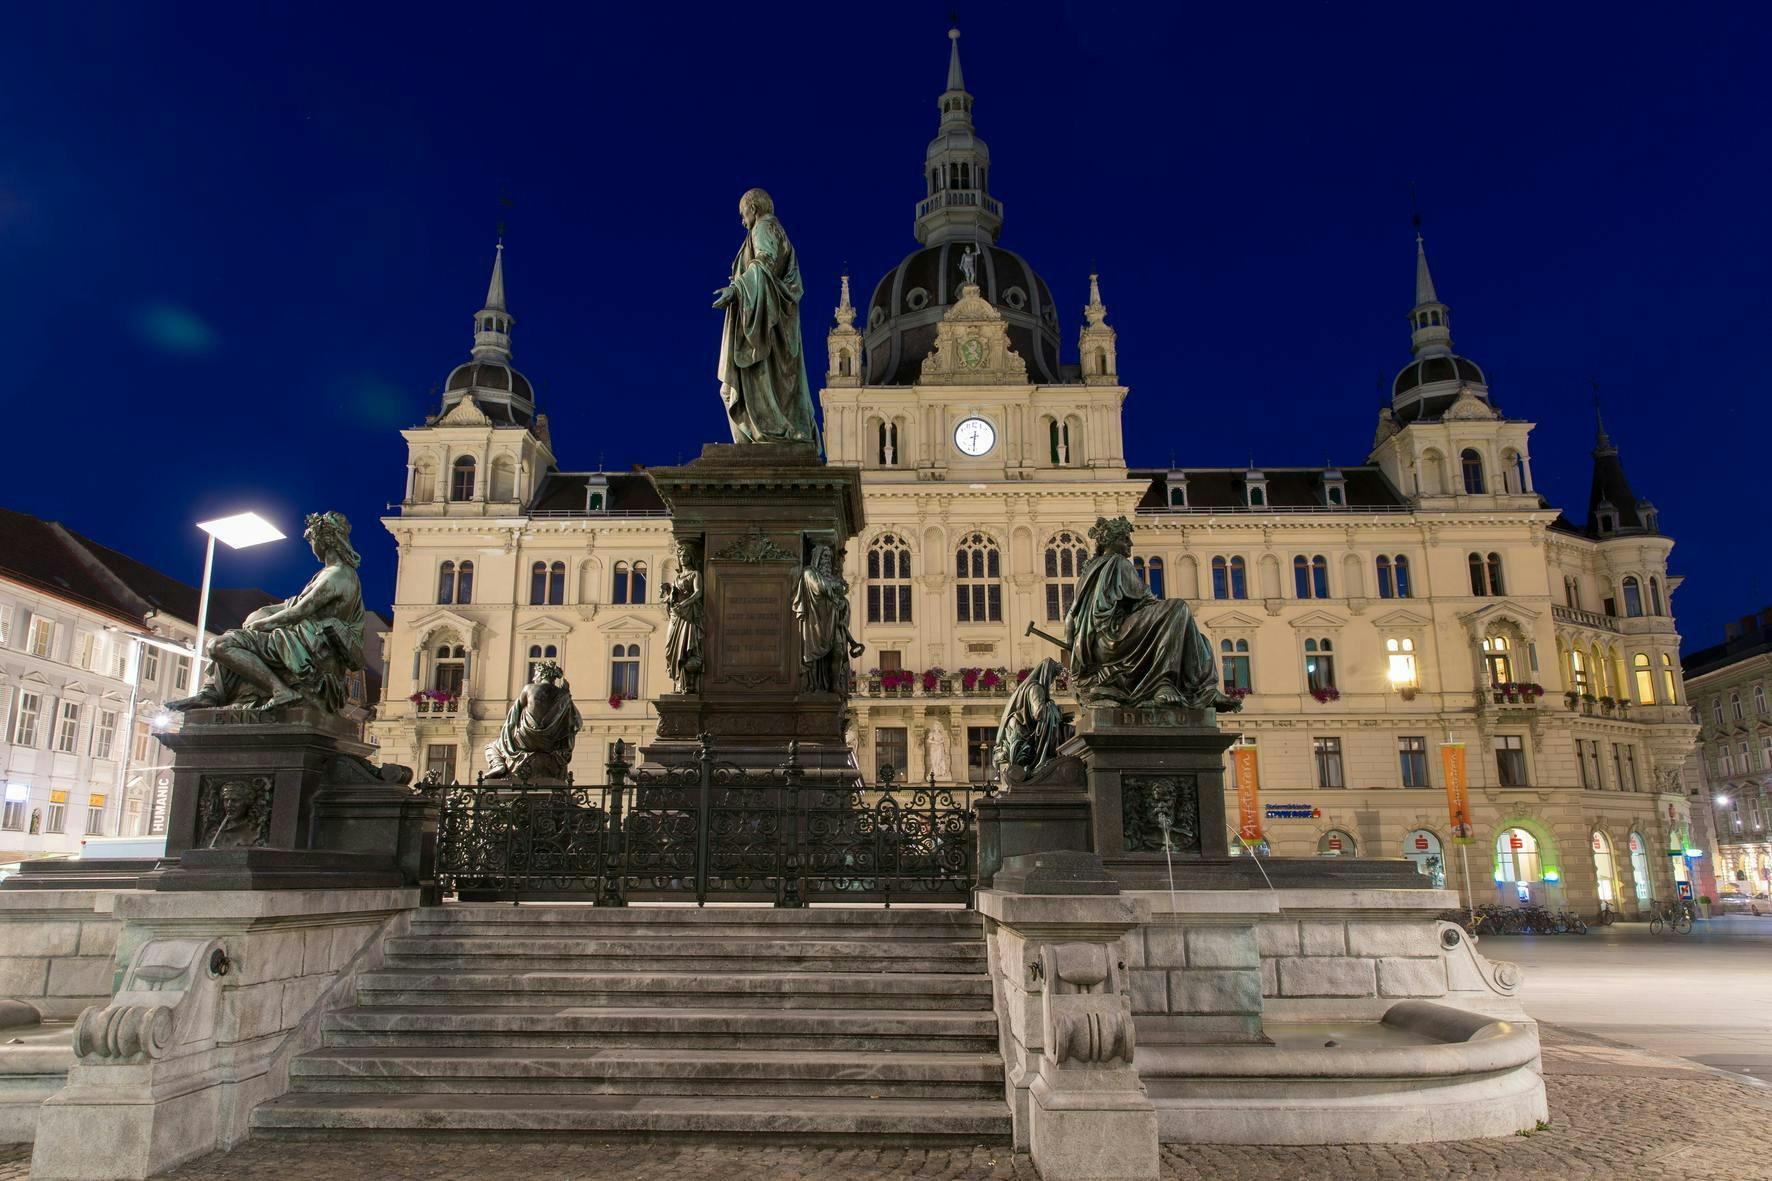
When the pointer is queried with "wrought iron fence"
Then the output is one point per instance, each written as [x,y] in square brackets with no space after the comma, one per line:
[711,831]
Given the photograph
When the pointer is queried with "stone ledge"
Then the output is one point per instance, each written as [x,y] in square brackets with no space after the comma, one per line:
[156,907]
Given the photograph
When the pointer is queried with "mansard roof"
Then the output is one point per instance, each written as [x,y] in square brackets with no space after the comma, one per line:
[564,492]
[1287,488]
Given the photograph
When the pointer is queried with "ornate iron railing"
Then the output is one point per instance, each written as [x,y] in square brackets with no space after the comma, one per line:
[710,831]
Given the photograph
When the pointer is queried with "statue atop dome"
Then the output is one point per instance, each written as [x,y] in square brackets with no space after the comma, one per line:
[762,367]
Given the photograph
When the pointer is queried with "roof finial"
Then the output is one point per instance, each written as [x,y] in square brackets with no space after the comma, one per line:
[1601,441]
[956,81]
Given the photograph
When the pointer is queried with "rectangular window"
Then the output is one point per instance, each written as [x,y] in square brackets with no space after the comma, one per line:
[58,812]
[1581,764]
[979,741]
[140,743]
[891,661]
[1328,755]
[1618,765]
[95,816]
[5,624]
[1319,666]
[119,660]
[41,638]
[181,672]
[106,736]
[1235,664]
[1747,759]
[24,729]
[440,762]
[1510,760]
[85,650]
[14,819]
[890,747]
[1593,757]
[150,664]
[1630,767]
[67,735]
[1412,755]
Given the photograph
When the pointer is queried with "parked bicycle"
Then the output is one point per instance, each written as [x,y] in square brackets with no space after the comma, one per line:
[1607,915]
[1517,920]
[1675,916]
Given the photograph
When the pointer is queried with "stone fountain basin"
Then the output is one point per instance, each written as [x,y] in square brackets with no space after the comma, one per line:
[1424,1072]
[34,1062]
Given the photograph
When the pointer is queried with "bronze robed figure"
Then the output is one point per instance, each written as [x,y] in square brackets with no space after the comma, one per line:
[539,731]
[1032,725]
[762,367]
[821,607]
[302,649]
[1129,647]
[685,633]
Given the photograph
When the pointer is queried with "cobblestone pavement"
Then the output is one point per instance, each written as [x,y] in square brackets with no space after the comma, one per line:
[1616,1111]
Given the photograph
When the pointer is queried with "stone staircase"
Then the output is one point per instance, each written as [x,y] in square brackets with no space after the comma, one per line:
[793,1024]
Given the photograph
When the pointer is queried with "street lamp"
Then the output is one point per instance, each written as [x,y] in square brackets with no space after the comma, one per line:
[238,532]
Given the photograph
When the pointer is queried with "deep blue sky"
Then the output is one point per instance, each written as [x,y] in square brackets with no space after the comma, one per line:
[240,244]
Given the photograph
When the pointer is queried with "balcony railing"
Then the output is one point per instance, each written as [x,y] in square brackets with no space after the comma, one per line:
[1580,618]
[950,198]
[431,708]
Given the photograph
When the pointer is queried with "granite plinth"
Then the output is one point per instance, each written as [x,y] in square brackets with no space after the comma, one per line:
[1061,872]
[1148,766]
[107,873]
[1043,813]
[322,815]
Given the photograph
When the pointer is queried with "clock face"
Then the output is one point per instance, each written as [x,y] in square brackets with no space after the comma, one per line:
[975,436]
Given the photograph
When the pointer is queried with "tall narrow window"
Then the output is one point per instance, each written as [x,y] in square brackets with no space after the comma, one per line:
[1387,588]
[637,584]
[1065,555]
[887,452]
[624,671]
[1578,680]
[618,592]
[1059,435]
[1320,577]
[978,587]
[1153,576]
[1239,579]
[1301,577]
[891,758]
[889,580]
[464,583]
[1479,579]
[1472,465]
[1656,607]
[1735,707]
[1221,579]
[1644,680]
[1328,758]
[1633,597]
[1401,565]
[461,479]
[1399,654]
[67,737]
[1412,760]
[104,738]
[24,726]
[1233,660]
[538,583]
[1510,760]
[557,583]
[979,742]
[1571,592]
[450,670]
[1319,665]
[1498,660]
[446,583]
[440,762]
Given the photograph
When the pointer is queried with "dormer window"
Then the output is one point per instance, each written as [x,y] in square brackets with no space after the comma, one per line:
[1334,489]
[1176,482]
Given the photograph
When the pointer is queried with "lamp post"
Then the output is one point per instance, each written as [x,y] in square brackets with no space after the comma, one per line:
[238,532]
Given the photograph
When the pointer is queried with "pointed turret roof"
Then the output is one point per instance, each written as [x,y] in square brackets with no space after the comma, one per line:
[495,290]
[956,80]
[1424,279]
[501,393]
[1612,508]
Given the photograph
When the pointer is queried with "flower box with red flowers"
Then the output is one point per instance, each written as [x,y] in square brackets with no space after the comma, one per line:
[615,700]
[1325,696]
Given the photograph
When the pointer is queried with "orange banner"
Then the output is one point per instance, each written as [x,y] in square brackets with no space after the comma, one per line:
[1248,794]
[1458,800]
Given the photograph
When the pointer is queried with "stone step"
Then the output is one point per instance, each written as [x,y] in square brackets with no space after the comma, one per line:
[782,990]
[799,1119]
[863,1030]
[691,953]
[638,922]
[649,1071]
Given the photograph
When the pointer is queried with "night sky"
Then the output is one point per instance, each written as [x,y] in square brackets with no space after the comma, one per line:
[240,245]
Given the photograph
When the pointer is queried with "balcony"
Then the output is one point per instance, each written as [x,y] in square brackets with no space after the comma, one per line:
[430,707]
[1580,618]
[952,198]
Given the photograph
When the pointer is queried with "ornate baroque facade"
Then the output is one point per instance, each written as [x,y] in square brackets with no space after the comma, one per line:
[1372,612]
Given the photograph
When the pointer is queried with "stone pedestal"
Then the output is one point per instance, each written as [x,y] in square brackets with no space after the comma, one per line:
[1149,767]
[1046,813]
[318,814]
[754,512]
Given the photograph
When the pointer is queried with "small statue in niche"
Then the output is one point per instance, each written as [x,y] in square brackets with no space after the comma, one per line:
[821,605]
[1032,726]
[684,636]
[938,752]
[244,808]
[539,731]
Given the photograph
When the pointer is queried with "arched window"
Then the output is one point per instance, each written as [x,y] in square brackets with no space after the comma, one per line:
[886,454]
[1233,660]
[1065,555]
[1643,678]
[1486,575]
[1516,857]
[547,584]
[1605,867]
[978,587]
[1059,436]
[1633,597]
[539,653]
[1401,565]
[1399,654]
[1472,465]
[889,580]
[1257,497]
[461,479]
[464,583]
[1759,690]
[1498,660]
[1154,576]
[1578,680]
[1319,664]
[1336,843]
[450,669]
[1310,577]
[1656,607]
[1735,707]
[1387,588]
[1230,578]
[630,583]
[446,583]
[1496,586]
[1239,579]
[624,671]
[1221,579]
[1423,848]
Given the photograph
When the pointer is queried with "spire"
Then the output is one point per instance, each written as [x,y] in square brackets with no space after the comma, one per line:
[1096,347]
[1430,321]
[956,169]
[1602,442]
[1612,508]
[843,345]
[492,323]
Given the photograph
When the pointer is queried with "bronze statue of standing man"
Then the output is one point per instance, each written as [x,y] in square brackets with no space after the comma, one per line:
[762,368]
